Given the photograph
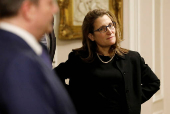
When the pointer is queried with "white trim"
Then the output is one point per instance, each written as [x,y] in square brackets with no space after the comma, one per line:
[138,26]
[160,96]
[131,24]
[161,49]
[158,112]
[134,16]
[157,97]
[153,35]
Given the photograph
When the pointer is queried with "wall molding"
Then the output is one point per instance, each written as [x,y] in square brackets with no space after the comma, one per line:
[134,24]
[153,35]
[138,25]
[158,112]
[161,49]
[160,96]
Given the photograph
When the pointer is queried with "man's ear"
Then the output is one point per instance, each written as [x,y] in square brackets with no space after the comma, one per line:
[28,10]
[91,37]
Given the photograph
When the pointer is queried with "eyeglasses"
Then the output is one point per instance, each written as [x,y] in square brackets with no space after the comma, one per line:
[104,28]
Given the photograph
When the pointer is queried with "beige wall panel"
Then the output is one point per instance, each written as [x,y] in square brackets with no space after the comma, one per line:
[126,25]
[146,30]
[145,43]
[166,54]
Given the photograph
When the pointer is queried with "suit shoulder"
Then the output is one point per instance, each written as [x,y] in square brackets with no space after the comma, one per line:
[74,55]
[16,57]
[134,55]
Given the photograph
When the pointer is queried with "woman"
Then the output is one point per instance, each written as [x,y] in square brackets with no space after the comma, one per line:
[105,78]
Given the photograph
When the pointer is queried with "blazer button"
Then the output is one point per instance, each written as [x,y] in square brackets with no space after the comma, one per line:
[124,73]
[127,91]
[129,107]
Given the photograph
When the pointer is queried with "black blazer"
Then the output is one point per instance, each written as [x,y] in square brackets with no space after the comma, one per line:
[140,81]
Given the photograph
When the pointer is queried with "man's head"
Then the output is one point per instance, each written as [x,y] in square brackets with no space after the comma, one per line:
[9,8]
[35,16]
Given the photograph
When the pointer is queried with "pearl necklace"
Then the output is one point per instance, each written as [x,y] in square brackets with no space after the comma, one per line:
[104,61]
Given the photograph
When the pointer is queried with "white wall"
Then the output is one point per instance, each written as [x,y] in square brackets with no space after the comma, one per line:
[166,55]
[146,29]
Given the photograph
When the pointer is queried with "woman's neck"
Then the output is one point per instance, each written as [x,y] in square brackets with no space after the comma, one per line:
[103,51]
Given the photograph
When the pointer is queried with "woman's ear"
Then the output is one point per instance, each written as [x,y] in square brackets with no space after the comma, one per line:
[91,37]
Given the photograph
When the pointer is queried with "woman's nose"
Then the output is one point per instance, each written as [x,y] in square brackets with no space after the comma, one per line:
[109,30]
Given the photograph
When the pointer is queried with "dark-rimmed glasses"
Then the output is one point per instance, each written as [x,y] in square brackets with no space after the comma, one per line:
[103,29]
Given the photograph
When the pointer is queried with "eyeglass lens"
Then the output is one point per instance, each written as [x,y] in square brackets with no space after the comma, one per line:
[111,26]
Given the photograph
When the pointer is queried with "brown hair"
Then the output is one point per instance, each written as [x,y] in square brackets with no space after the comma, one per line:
[89,46]
[9,8]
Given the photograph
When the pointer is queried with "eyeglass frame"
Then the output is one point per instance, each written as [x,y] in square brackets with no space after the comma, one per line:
[97,30]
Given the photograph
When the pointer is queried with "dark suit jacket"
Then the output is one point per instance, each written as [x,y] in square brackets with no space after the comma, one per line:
[52,44]
[27,85]
[82,86]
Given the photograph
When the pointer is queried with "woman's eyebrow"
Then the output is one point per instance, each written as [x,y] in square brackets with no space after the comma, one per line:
[105,25]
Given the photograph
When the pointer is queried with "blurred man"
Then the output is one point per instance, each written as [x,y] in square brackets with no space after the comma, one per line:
[27,83]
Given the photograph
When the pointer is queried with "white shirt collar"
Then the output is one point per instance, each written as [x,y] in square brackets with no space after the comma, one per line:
[26,36]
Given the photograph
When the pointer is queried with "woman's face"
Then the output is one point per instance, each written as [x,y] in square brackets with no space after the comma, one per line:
[103,39]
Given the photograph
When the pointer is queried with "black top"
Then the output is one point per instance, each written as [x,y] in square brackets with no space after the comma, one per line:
[104,85]
[112,88]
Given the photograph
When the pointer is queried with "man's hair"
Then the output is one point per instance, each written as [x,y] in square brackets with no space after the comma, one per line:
[9,8]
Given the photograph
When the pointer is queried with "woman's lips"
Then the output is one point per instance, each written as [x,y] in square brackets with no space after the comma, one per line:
[110,37]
